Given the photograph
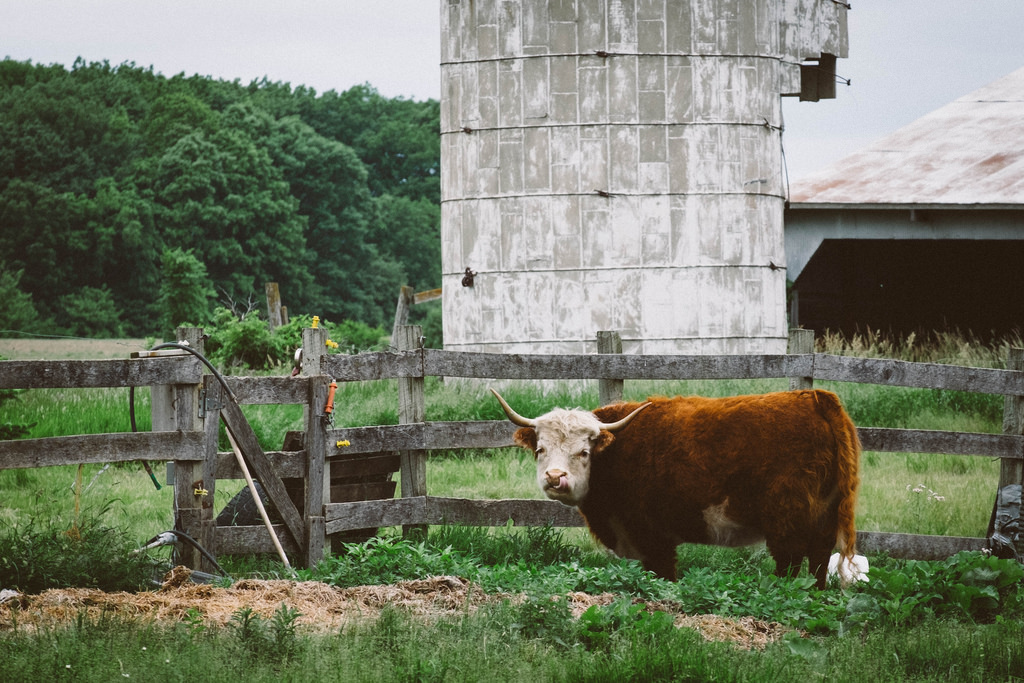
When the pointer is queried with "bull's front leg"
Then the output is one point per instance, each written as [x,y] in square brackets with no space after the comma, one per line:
[662,563]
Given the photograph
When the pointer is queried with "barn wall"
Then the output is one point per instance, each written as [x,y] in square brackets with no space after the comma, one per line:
[615,165]
[901,271]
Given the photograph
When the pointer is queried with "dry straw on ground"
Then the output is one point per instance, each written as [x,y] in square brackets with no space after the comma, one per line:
[322,608]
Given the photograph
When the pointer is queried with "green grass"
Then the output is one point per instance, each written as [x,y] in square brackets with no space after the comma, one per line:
[502,643]
[957,620]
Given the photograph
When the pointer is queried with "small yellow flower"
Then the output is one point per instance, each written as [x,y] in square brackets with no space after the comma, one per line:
[316,321]
[332,344]
[342,444]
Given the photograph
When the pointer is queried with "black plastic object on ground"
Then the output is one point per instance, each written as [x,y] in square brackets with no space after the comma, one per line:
[1006,528]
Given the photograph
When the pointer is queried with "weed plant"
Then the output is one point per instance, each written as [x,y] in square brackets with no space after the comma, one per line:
[57,552]
[950,347]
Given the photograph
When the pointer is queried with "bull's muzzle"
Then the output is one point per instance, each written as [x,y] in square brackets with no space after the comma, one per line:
[557,479]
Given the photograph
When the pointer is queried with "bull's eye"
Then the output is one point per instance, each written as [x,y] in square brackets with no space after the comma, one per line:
[584,454]
[540,451]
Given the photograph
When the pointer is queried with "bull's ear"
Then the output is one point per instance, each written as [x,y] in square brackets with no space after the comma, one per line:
[526,437]
[602,441]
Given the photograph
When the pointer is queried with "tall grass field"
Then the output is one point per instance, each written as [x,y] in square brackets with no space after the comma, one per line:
[960,619]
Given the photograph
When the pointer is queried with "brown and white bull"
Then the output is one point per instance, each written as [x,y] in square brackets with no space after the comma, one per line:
[780,468]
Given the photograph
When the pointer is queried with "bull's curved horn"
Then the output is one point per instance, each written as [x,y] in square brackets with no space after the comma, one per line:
[615,426]
[515,417]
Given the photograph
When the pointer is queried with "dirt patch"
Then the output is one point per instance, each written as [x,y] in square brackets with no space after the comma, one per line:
[322,608]
[69,349]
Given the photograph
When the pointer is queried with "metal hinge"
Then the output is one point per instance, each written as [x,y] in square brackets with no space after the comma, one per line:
[208,403]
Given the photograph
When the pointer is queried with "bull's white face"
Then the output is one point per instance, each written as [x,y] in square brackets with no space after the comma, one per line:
[566,441]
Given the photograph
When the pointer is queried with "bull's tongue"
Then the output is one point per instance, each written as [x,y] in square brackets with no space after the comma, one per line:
[563,483]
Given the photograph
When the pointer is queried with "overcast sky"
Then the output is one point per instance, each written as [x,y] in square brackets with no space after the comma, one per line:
[907,57]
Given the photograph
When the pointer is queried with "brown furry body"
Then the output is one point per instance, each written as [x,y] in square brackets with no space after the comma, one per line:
[779,467]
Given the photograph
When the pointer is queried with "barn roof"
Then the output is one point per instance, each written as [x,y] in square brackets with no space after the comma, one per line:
[969,152]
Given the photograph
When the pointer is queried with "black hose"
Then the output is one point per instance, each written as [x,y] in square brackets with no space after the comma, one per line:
[131,416]
[195,544]
[201,357]
[131,394]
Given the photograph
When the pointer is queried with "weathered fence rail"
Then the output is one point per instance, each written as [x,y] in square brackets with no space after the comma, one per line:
[817,366]
[190,404]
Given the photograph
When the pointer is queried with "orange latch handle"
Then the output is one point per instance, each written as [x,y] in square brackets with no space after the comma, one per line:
[330,398]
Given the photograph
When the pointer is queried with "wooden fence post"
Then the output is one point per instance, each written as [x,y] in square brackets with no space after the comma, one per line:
[801,342]
[194,482]
[411,410]
[314,348]
[609,390]
[406,297]
[317,480]
[317,489]
[274,315]
[1011,470]
[211,398]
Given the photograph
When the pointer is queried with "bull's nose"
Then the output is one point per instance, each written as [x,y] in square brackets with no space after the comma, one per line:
[554,476]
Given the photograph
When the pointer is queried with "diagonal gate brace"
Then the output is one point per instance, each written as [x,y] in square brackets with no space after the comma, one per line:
[258,462]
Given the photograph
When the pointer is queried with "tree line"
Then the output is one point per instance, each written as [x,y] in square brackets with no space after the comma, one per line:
[131,202]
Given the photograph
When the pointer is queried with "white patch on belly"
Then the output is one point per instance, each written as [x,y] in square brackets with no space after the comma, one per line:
[623,545]
[724,531]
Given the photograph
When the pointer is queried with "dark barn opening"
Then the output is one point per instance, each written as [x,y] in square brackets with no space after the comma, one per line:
[903,286]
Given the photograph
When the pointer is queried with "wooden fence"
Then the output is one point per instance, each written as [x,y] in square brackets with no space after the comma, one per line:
[188,405]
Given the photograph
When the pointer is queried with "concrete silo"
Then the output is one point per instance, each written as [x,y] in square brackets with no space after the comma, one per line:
[617,165]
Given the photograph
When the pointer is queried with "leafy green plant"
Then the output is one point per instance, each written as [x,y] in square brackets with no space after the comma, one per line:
[533,545]
[791,601]
[244,342]
[43,553]
[969,585]
[274,641]
[247,342]
[546,617]
[387,560]
[194,622]
[599,623]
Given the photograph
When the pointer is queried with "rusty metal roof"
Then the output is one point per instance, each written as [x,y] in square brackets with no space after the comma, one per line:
[969,152]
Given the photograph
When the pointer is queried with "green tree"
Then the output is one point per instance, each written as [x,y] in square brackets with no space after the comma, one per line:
[103,168]
[45,234]
[398,139]
[18,313]
[185,291]
[412,237]
[123,227]
[65,130]
[353,277]
[173,116]
[90,312]
[222,196]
